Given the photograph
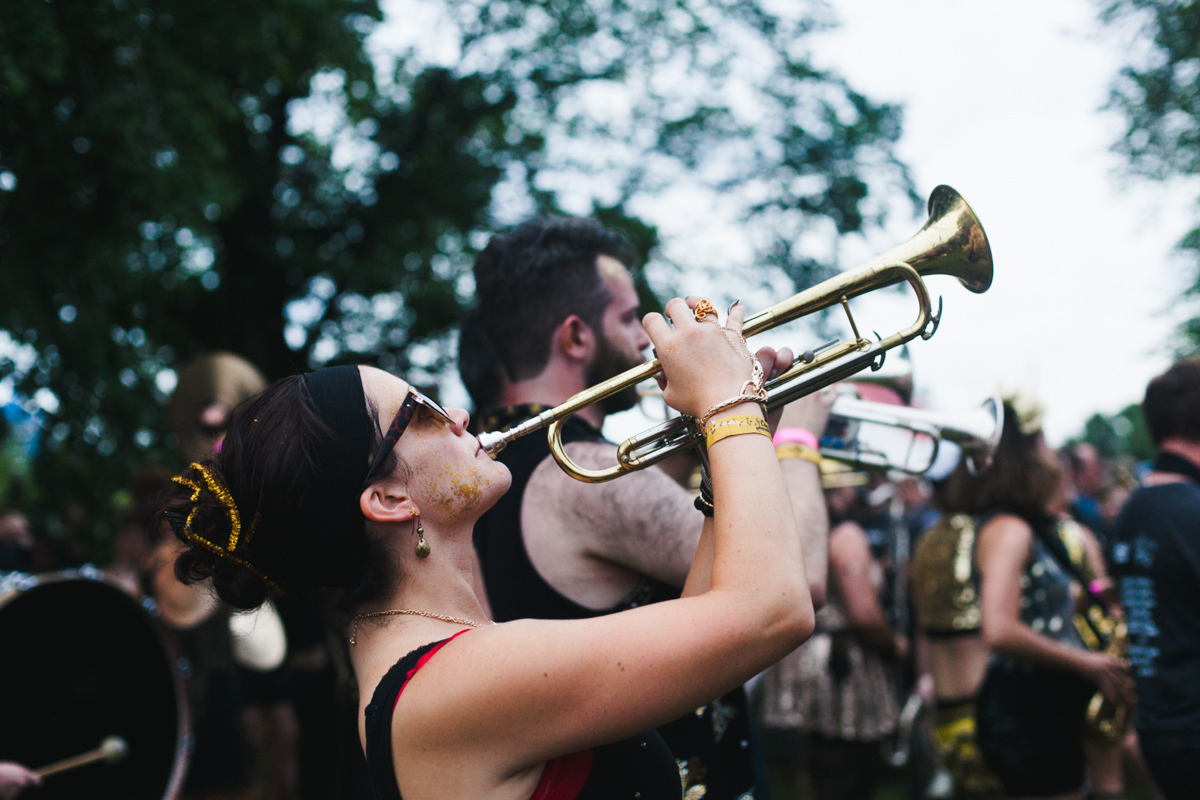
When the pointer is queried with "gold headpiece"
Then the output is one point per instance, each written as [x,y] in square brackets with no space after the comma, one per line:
[1028,410]
[220,491]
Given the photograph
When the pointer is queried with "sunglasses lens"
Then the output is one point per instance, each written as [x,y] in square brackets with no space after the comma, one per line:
[436,409]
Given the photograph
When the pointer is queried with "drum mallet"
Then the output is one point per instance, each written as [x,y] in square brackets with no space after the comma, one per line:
[112,750]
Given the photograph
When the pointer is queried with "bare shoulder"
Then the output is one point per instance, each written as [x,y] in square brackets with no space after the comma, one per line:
[1004,536]
[1006,527]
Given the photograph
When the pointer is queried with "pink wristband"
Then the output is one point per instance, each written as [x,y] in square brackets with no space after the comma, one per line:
[797,435]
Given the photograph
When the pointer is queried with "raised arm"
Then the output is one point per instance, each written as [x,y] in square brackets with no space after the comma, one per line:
[803,479]
[555,687]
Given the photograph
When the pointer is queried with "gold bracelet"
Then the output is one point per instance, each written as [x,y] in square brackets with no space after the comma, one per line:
[730,403]
[795,450]
[736,426]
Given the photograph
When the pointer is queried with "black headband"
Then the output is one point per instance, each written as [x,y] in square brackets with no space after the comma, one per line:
[330,548]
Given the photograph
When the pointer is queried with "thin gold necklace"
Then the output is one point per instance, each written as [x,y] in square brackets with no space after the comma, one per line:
[395,612]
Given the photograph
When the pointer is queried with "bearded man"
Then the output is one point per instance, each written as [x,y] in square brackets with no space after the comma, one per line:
[558,312]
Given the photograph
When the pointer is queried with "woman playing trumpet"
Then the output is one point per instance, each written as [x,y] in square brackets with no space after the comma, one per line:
[347,477]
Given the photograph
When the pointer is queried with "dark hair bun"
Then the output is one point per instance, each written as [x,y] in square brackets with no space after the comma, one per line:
[236,584]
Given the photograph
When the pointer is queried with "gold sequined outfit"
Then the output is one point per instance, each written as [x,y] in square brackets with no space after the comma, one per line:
[954,738]
[945,583]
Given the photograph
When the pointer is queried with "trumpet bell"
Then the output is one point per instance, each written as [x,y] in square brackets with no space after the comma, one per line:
[886,436]
[952,242]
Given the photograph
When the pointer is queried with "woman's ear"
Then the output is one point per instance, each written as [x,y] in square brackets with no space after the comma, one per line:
[386,501]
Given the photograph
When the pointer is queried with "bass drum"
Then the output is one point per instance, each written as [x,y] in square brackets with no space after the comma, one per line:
[81,660]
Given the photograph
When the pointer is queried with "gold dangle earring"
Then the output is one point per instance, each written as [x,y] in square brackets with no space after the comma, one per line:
[422,545]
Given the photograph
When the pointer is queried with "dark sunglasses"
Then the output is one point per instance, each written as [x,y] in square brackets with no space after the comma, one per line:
[400,422]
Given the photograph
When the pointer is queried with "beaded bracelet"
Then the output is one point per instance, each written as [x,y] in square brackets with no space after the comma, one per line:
[736,426]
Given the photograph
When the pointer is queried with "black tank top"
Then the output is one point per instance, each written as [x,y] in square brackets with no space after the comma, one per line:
[637,767]
[515,589]
[712,743]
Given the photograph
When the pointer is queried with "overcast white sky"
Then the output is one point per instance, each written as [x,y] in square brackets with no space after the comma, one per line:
[1002,103]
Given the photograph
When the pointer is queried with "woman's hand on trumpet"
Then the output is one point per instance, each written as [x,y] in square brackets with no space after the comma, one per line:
[700,366]
[707,367]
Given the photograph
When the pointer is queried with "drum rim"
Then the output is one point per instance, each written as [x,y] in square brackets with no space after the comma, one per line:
[92,574]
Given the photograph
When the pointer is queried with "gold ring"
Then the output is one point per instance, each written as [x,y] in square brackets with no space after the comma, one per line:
[703,309]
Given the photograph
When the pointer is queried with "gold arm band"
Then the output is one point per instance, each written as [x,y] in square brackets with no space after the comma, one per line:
[736,426]
[796,450]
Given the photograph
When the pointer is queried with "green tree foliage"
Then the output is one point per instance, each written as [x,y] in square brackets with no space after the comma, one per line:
[265,178]
[1158,93]
[1121,434]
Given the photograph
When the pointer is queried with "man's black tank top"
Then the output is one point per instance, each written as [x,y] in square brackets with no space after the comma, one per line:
[637,767]
[712,743]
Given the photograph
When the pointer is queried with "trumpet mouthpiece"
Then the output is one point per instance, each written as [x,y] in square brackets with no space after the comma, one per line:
[114,748]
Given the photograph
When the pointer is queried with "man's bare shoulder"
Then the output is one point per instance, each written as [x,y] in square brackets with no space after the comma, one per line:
[551,487]
[645,522]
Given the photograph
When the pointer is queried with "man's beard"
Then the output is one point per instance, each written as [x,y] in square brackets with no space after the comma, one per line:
[607,363]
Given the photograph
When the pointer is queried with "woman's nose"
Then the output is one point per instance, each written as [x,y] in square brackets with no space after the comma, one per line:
[461,419]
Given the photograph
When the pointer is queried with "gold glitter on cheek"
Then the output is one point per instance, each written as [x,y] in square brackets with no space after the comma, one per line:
[455,491]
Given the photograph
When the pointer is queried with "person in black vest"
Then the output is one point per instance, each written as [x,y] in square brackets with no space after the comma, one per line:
[557,312]
[1156,559]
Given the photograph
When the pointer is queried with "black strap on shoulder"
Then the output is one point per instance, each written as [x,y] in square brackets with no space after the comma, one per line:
[379,724]
[1046,530]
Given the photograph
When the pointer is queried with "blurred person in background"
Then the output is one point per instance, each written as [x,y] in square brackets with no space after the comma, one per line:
[840,689]
[1087,482]
[1156,558]
[1030,712]
[134,539]
[209,388]
[16,541]
[950,645]
[200,410]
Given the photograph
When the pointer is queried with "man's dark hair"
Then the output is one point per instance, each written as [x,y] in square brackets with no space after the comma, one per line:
[528,281]
[1172,404]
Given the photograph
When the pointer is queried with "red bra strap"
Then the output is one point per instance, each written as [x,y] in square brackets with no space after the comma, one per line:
[563,778]
[422,661]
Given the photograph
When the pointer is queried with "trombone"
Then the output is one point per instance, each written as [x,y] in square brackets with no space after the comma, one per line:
[952,242]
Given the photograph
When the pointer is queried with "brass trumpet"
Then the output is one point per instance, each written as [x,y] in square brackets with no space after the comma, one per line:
[952,242]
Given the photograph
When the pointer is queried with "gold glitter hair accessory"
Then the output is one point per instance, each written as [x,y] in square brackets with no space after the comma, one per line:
[221,492]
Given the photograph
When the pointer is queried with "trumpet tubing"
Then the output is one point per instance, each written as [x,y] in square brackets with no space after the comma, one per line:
[952,243]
